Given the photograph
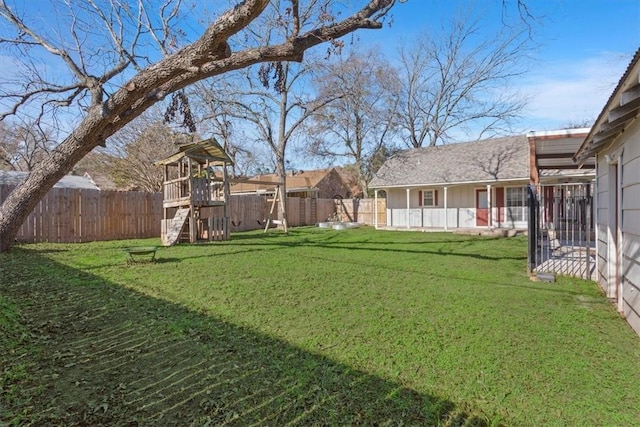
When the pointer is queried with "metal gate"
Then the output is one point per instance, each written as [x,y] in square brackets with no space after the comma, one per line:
[561,232]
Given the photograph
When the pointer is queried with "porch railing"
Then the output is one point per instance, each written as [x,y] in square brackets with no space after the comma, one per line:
[200,191]
[561,235]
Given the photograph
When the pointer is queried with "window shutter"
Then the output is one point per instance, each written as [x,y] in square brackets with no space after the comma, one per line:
[435,197]
[499,203]
[420,198]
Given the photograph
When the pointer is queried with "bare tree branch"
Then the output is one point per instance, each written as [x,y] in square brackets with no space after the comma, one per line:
[208,56]
[355,126]
[7,14]
[457,82]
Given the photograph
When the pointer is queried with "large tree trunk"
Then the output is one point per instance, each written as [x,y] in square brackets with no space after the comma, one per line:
[207,57]
[26,196]
[281,173]
[105,118]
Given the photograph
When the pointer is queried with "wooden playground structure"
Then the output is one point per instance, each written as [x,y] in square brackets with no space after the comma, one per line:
[196,195]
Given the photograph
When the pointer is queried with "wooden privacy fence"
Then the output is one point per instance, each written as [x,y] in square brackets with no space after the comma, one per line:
[249,212]
[68,215]
[362,211]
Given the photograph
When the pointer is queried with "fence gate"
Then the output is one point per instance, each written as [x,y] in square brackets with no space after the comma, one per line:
[561,232]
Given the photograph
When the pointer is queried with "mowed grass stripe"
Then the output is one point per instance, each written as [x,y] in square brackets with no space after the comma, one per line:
[451,323]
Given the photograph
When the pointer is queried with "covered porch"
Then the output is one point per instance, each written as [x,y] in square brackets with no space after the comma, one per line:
[473,206]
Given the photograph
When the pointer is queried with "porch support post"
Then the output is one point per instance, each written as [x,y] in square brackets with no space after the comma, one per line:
[408,205]
[489,209]
[375,209]
[446,224]
[534,175]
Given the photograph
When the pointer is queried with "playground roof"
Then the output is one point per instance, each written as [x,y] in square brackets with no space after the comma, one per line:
[208,150]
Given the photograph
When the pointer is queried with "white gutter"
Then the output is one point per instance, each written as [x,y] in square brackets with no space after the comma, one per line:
[450,184]
[559,132]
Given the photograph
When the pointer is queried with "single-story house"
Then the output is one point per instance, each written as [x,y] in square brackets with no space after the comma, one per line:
[479,184]
[321,183]
[615,141]
[67,181]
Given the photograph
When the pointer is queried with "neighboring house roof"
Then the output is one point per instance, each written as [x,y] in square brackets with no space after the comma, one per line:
[620,111]
[298,181]
[348,175]
[68,181]
[101,181]
[489,160]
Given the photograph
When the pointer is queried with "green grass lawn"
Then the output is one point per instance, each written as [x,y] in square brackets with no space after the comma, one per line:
[315,327]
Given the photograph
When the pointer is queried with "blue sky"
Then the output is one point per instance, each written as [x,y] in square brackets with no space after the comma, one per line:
[583,48]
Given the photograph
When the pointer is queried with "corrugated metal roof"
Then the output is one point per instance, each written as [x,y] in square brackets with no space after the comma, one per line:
[605,128]
[496,159]
[555,149]
[68,181]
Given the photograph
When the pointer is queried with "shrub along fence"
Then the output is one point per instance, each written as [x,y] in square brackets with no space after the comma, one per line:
[67,215]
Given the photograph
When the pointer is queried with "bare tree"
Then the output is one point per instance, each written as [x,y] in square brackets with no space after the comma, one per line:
[360,121]
[274,98]
[128,160]
[217,115]
[23,146]
[114,74]
[8,148]
[277,107]
[456,81]
[578,123]
[134,153]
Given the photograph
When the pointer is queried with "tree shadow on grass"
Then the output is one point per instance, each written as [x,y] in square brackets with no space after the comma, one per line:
[374,247]
[104,355]
[252,242]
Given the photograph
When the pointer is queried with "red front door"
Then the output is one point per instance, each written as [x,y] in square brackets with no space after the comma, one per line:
[482,208]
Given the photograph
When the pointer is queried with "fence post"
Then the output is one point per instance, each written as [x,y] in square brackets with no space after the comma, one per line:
[532,228]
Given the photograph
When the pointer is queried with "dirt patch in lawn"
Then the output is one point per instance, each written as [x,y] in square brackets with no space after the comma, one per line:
[99,354]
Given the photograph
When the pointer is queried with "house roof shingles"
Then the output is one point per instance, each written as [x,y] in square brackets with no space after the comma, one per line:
[489,160]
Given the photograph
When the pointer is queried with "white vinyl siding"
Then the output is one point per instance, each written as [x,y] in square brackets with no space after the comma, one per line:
[602,215]
[460,212]
[626,151]
[630,225]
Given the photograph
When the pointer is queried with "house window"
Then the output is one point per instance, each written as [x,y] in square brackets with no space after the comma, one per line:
[429,198]
[516,204]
